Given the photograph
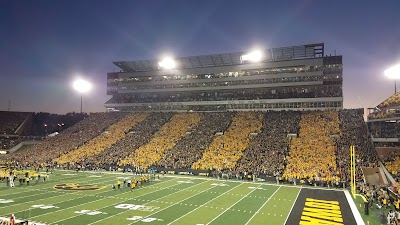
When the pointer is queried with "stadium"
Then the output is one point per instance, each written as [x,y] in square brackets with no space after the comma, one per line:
[257,137]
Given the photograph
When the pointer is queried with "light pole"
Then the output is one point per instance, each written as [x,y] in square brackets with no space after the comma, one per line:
[82,87]
[393,73]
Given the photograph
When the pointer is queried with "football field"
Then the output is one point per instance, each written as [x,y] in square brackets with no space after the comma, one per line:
[87,198]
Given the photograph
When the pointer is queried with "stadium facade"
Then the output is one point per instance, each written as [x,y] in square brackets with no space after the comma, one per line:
[287,78]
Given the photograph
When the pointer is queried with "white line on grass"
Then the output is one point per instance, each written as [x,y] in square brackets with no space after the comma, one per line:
[157,200]
[72,193]
[233,204]
[204,204]
[262,206]
[354,210]
[67,193]
[294,202]
[97,200]
[108,205]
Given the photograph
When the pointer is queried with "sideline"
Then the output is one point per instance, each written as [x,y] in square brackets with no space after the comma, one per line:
[353,207]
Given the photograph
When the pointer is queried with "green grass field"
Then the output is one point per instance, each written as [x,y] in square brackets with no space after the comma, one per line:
[169,200]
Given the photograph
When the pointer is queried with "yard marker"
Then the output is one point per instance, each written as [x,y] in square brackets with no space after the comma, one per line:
[263,206]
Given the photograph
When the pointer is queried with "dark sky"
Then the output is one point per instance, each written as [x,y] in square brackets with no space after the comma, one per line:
[45,44]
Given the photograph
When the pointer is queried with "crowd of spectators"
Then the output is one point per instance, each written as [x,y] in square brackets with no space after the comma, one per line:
[168,136]
[267,152]
[223,83]
[224,152]
[392,101]
[241,94]
[246,142]
[44,124]
[10,121]
[354,132]
[191,147]
[384,129]
[312,154]
[68,140]
[392,163]
[139,135]
[95,146]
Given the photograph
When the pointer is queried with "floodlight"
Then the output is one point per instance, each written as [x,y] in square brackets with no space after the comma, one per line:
[254,56]
[82,86]
[167,63]
[393,72]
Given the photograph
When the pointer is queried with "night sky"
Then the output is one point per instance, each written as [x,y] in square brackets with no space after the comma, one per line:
[44,45]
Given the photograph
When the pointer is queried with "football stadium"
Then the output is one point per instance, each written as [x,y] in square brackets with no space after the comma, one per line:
[252,137]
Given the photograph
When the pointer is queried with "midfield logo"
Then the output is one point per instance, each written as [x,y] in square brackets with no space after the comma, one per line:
[78,187]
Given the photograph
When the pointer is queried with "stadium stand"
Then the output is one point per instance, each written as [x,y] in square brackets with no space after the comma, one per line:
[67,140]
[267,152]
[98,144]
[164,140]
[226,150]
[353,131]
[10,121]
[138,136]
[191,147]
[312,155]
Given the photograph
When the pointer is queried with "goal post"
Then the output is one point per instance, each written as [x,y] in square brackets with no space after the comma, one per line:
[353,170]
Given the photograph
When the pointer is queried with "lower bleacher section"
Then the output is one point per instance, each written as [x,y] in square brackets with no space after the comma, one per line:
[226,150]
[312,154]
[168,136]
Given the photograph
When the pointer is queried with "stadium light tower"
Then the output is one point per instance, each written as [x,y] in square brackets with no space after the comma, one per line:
[167,63]
[393,73]
[254,56]
[82,86]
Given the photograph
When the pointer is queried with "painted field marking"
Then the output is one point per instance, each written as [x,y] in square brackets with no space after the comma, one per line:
[262,206]
[152,201]
[204,204]
[114,203]
[233,204]
[91,201]
[71,193]
[66,193]
[294,202]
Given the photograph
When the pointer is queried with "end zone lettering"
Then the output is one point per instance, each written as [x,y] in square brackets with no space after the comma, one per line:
[321,212]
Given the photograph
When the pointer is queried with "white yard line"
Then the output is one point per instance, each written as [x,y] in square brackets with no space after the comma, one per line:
[91,201]
[354,210]
[300,186]
[233,204]
[287,217]
[72,193]
[66,193]
[157,200]
[107,205]
[263,205]
[205,204]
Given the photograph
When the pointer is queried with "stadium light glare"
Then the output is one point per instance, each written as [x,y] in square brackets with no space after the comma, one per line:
[254,56]
[393,72]
[82,86]
[167,63]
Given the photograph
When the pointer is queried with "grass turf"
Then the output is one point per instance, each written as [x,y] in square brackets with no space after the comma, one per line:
[170,200]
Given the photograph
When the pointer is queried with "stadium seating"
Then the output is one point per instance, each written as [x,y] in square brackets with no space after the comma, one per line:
[68,140]
[191,147]
[266,153]
[138,136]
[164,140]
[312,155]
[354,132]
[105,140]
[9,121]
[226,150]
